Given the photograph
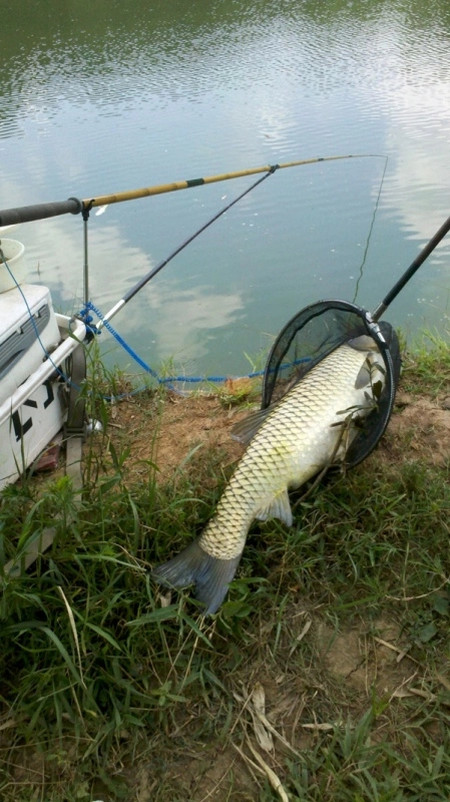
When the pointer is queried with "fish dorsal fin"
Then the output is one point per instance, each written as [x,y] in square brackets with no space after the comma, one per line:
[279,507]
[245,429]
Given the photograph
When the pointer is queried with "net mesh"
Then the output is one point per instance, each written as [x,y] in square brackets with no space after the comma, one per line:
[314,333]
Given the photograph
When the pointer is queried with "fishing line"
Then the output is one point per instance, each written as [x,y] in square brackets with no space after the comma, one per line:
[317,330]
[33,322]
[369,236]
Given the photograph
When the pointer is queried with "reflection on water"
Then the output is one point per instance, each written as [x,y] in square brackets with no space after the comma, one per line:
[98,98]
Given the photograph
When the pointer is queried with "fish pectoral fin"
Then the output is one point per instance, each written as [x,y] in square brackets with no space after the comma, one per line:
[245,429]
[372,374]
[364,376]
[362,343]
[279,507]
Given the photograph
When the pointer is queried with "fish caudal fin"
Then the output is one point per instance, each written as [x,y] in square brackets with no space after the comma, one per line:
[194,566]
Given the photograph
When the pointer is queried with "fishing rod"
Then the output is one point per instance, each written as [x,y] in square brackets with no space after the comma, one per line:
[320,328]
[414,266]
[145,279]
[375,315]
[76,206]
[41,211]
[73,205]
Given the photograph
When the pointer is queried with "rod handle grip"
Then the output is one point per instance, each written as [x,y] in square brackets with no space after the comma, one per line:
[26,214]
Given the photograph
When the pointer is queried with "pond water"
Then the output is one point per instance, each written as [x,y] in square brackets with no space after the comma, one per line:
[109,96]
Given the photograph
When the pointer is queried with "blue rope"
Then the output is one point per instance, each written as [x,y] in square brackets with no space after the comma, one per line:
[93,330]
[170,380]
[116,335]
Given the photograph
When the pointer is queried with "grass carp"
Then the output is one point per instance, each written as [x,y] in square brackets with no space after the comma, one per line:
[309,429]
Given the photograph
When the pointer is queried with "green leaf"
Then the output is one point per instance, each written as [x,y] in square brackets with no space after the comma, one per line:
[428,632]
[104,634]
[441,605]
[64,653]
[159,614]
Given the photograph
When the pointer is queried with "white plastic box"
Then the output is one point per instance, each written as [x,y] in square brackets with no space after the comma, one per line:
[13,252]
[36,410]
[22,318]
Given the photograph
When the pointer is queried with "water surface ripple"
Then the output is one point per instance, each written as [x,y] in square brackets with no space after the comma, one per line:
[100,98]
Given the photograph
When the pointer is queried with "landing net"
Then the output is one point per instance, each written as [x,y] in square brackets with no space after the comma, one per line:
[314,333]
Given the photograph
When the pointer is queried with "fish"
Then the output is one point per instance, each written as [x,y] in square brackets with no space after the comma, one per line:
[307,430]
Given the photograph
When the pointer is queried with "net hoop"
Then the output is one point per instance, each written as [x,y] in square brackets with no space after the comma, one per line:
[309,337]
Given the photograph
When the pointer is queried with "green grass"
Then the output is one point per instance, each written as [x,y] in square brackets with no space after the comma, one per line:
[427,365]
[107,694]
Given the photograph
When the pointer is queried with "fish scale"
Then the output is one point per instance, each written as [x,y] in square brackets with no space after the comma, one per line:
[289,443]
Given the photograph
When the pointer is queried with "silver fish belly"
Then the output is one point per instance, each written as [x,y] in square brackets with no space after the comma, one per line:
[305,431]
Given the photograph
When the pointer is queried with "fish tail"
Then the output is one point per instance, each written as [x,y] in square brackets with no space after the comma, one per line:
[194,566]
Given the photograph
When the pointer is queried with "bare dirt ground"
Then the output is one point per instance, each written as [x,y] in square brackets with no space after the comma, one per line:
[419,427]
